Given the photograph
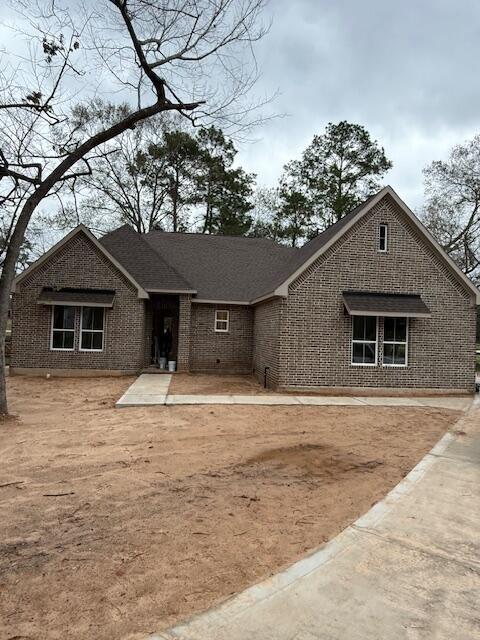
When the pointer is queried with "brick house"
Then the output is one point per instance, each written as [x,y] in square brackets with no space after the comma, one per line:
[373,301]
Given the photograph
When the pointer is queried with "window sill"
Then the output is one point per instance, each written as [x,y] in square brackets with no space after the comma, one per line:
[363,364]
[395,366]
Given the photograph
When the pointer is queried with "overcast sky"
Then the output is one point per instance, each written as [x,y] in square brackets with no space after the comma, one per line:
[408,71]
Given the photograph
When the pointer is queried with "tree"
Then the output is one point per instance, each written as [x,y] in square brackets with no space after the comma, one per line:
[171,57]
[178,156]
[224,192]
[295,213]
[337,171]
[452,206]
[126,185]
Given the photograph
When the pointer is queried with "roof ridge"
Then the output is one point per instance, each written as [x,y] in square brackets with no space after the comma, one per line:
[210,235]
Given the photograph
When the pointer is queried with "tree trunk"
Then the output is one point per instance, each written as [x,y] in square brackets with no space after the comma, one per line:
[175,203]
[6,280]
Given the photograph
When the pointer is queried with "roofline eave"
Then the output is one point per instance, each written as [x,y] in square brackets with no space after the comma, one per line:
[172,291]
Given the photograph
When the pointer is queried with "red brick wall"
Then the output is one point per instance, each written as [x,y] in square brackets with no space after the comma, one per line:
[80,264]
[224,352]
[266,341]
[184,332]
[316,333]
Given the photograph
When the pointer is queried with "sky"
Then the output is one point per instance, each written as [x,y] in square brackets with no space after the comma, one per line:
[407,71]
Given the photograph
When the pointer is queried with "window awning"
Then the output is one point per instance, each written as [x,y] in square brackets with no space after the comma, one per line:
[77,298]
[363,303]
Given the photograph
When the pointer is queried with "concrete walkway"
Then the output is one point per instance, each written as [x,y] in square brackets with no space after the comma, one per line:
[152,389]
[407,570]
[445,402]
[148,389]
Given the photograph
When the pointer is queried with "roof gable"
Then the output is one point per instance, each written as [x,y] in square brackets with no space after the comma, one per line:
[311,251]
[80,229]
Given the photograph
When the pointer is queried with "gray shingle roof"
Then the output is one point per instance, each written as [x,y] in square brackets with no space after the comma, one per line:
[222,267]
[148,268]
[227,268]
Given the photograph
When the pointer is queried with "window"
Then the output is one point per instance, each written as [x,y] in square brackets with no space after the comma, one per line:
[221,321]
[395,339]
[92,329]
[63,328]
[383,238]
[364,340]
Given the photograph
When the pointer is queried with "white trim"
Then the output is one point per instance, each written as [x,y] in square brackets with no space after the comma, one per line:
[382,225]
[172,291]
[282,290]
[238,302]
[352,342]
[102,331]
[267,296]
[394,342]
[74,330]
[58,303]
[81,228]
[227,320]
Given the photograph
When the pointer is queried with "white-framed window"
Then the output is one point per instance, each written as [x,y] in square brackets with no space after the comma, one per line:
[364,340]
[63,328]
[92,328]
[383,237]
[395,342]
[222,320]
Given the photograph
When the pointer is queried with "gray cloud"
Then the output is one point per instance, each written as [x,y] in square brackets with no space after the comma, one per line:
[408,71]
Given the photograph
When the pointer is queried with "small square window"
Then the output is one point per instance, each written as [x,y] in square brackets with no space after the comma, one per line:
[222,320]
[383,238]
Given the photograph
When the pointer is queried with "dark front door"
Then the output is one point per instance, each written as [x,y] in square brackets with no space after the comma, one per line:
[164,328]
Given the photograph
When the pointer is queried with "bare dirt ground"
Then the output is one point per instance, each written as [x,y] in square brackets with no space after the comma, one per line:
[211,384]
[117,523]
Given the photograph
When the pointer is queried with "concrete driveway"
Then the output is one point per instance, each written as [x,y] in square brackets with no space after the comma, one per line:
[409,569]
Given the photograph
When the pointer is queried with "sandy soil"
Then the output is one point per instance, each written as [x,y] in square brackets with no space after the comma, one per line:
[213,384]
[117,523]
[208,384]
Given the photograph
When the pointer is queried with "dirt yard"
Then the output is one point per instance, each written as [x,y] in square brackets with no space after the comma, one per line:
[115,523]
[208,384]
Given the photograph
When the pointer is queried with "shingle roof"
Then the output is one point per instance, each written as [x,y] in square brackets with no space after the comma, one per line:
[227,268]
[222,267]
[147,267]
